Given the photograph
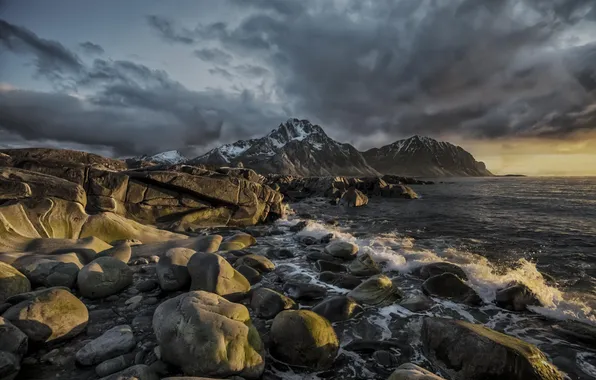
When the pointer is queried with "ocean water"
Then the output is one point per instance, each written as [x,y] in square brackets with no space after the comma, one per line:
[538,231]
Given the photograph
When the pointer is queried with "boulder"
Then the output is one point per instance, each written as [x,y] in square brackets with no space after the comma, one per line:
[435,269]
[464,350]
[364,266]
[258,262]
[341,280]
[136,372]
[417,303]
[342,249]
[267,303]
[13,346]
[48,315]
[12,282]
[252,275]
[114,365]
[280,253]
[103,277]
[378,290]
[237,241]
[353,198]
[50,270]
[303,338]
[517,297]
[212,273]
[302,291]
[411,371]
[328,266]
[172,271]
[121,251]
[338,308]
[448,285]
[114,342]
[206,335]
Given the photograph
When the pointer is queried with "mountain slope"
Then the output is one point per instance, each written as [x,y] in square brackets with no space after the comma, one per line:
[420,156]
[296,147]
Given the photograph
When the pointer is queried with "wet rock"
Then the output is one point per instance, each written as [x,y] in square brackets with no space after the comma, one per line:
[146,285]
[267,303]
[464,350]
[172,272]
[212,273]
[341,280]
[13,346]
[338,308]
[316,256]
[299,226]
[302,291]
[364,266]
[114,365]
[12,282]
[353,198]
[258,262]
[116,341]
[328,266]
[48,315]
[367,346]
[229,344]
[237,242]
[435,269]
[448,285]
[377,290]
[385,359]
[252,275]
[411,371]
[576,330]
[133,302]
[121,251]
[303,338]
[417,303]
[517,298]
[104,277]
[280,253]
[136,372]
[342,249]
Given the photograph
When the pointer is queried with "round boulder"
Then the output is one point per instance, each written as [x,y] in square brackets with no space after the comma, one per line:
[252,275]
[342,249]
[435,269]
[212,273]
[103,277]
[449,285]
[364,266]
[267,303]
[12,282]
[121,251]
[377,290]
[338,308]
[172,271]
[517,297]
[206,335]
[48,315]
[258,262]
[303,338]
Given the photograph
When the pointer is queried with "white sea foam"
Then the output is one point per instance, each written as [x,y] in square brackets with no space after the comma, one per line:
[585,365]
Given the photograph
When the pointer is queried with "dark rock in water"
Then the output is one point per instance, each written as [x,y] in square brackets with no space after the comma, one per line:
[385,359]
[353,198]
[302,291]
[342,250]
[417,303]
[435,269]
[448,285]
[136,372]
[267,303]
[117,341]
[303,338]
[341,280]
[280,253]
[517,298]
[317,255]
[470,351]
[229,344]
[47,315]
[579,331]
[104,277]
[328,266]
[13,346]
[367,346]
[212,273]
[411,371]
[338,308]
[364,266]
[258,262]
[251,274]
[172,272]
[377,290]
[308,240]
[299,226]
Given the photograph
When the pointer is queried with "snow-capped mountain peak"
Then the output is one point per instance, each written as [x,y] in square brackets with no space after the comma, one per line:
[171,157]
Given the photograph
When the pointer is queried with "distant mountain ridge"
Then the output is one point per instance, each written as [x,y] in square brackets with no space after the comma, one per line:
[300,148]
[420,156]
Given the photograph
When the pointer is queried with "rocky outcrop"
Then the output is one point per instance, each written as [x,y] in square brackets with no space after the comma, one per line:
[303,338]
[13,346]
[469,351]
[47,315]
[229,344]
[353,198]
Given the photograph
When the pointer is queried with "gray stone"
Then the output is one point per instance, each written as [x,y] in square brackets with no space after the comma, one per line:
[377,290]
[449,285]
[117,341]
[267,303]
[302,291]
[172,271]
[136,372]
[338,308]
[13,346]
[104,277]
[342,249]
[114,365]
[341,280]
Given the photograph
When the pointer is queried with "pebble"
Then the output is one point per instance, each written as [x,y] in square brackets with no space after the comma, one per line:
[134,301]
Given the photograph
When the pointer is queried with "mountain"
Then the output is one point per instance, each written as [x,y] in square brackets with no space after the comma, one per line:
[420,156]
[171,157]
[296,147]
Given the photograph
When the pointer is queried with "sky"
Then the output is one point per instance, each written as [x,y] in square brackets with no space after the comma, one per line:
[511,81]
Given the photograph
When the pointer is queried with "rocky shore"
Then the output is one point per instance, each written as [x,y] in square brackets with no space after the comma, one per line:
[179,273]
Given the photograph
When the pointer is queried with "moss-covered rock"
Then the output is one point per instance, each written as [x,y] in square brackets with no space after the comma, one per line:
[12,282]
[377,290]
[212,273]
[267,303]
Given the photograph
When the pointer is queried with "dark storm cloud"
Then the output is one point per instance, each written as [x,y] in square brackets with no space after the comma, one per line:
[166,29]
[91,48]
[213,55]
[52,59]
[221,72]
[480,68]
[251,70]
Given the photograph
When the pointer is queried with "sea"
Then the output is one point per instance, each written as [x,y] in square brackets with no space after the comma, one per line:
[538,231]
